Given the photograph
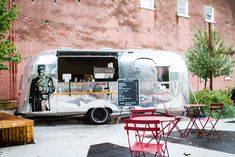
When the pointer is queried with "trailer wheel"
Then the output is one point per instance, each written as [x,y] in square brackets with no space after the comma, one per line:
[98,115]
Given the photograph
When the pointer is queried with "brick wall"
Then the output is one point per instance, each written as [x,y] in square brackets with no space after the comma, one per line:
[117,24]
[4,85]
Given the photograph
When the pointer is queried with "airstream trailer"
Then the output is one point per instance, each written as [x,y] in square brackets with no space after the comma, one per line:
[85,82]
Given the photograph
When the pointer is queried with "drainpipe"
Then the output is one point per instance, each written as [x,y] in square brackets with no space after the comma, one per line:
[210,49]
[13,66]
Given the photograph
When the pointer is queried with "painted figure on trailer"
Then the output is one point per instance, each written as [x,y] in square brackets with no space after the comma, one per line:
[40,90]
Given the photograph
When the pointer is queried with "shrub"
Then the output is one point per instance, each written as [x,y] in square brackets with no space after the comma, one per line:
[208,97]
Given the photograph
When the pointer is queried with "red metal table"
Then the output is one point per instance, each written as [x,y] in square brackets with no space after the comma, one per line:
[167,125]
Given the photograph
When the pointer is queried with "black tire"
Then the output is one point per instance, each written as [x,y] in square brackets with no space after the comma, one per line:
[98,115]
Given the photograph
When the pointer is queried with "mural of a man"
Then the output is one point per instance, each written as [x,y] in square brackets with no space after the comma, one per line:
[40,89]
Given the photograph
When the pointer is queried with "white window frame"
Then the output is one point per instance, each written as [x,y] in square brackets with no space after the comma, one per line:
[202,79]
[147,4]
[229,77]
[212,14]
[184,7]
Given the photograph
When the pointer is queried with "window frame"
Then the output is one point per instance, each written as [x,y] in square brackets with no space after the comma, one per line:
[212,20]
[229,77]
[186,7]
[143,5]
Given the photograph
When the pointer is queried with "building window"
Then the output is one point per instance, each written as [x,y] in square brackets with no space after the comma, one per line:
[182,8]
[147,4]
[209,14]
[229,77]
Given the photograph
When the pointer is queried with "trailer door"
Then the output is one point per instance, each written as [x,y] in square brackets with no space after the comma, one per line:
[163,95]
[145,71]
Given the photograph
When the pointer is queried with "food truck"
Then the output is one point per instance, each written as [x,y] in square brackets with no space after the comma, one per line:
[86,82]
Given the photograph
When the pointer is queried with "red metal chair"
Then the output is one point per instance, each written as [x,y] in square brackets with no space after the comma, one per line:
[178,118]
[137,142]
[142,112]
[193,111]
[210,122]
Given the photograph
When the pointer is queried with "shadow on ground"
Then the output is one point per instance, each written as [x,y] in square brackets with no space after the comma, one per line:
[57,120]
[65,120]
[231,121]
[226,143]
[110,150]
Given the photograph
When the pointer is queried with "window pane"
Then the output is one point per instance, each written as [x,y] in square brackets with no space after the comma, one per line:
[147,4]
[163,74]
[182,7]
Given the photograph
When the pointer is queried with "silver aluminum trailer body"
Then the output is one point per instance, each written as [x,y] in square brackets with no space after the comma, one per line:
[85,82]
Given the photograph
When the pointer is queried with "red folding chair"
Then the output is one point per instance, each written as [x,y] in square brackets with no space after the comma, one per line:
[137,142]
[142,112]
[193,111]
[210,122]
[178,118]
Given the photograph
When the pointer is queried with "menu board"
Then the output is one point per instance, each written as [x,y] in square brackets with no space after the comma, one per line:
[128,92]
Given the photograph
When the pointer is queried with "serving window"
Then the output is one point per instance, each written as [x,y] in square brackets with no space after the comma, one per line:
[88,68]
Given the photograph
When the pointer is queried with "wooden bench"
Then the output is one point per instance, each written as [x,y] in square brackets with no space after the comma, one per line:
[15,130]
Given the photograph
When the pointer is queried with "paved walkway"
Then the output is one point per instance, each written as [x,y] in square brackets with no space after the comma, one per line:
[76,140]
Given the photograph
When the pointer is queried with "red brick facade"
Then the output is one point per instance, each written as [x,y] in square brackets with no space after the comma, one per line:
[117,24]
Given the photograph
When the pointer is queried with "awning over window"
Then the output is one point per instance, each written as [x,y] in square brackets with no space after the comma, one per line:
[69,53]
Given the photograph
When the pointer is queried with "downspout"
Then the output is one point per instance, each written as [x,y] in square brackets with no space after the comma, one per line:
[13,66]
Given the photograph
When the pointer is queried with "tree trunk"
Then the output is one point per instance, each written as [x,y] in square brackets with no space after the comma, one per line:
[205,83]
[210,49]
[211,81]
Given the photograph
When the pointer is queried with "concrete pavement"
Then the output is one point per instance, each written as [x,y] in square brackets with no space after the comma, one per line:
[74,140]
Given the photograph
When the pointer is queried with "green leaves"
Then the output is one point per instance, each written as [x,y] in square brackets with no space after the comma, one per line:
[201,63]
[217,96]
[6,54]
[6,16]
[7,49]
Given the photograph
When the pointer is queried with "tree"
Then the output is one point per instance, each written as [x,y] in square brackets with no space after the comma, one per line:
[7,48]
[202,63]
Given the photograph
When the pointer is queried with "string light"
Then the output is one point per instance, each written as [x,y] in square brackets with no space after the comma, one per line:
[139,29]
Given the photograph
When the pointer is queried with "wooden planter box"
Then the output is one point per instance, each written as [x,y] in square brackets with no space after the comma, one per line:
[8,104]
[15,130]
